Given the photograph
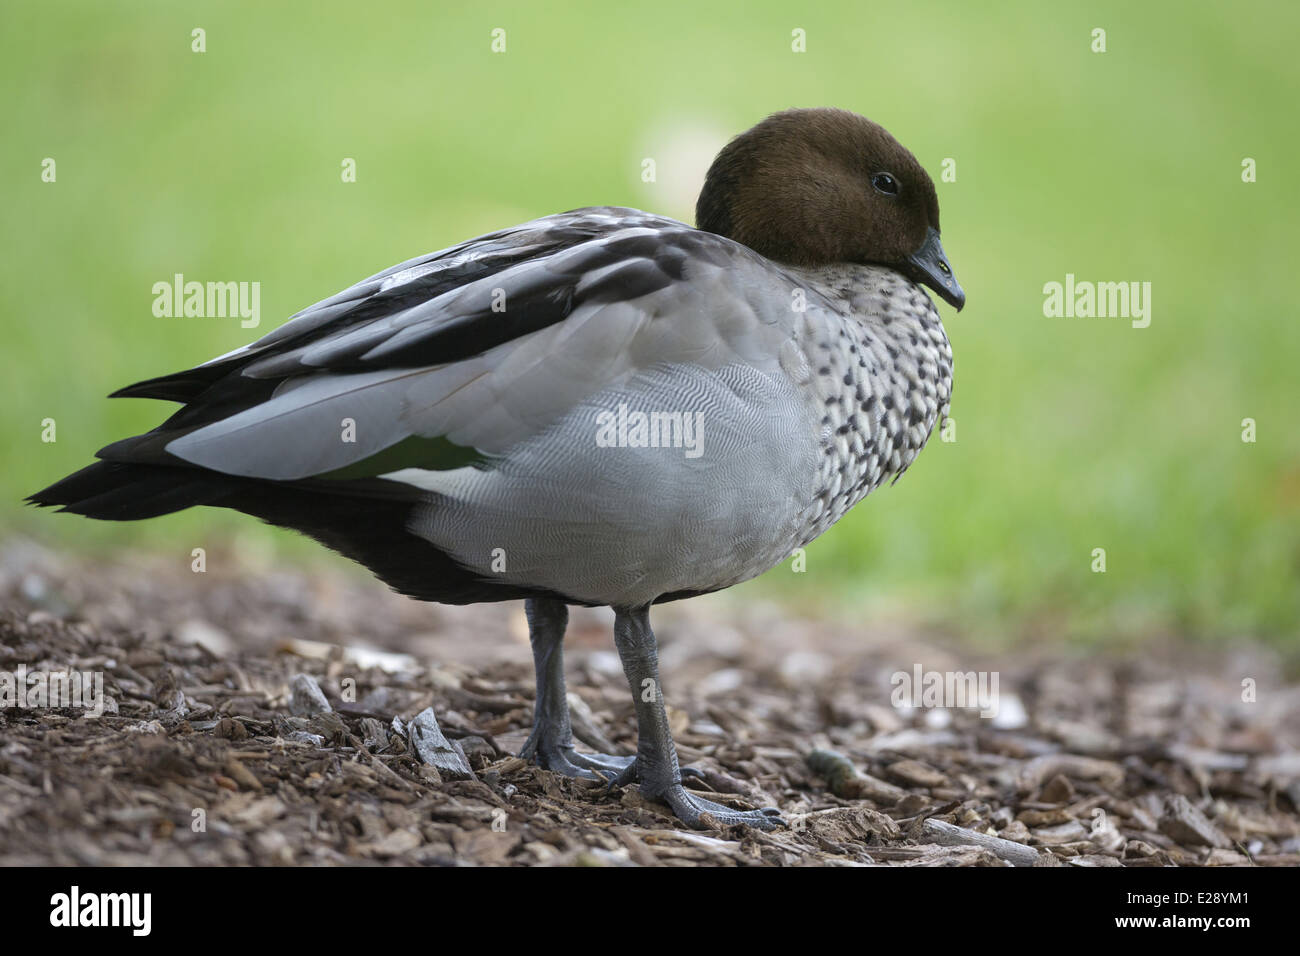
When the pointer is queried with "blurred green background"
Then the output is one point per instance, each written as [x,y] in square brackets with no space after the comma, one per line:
[1072,434]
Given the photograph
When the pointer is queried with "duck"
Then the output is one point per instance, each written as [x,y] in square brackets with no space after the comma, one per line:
[603,407]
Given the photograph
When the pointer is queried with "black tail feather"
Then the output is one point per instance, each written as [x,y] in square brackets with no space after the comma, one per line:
[118,491]
[181,387]
[365,520]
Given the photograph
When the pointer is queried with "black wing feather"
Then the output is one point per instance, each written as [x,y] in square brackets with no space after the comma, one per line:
[575,271]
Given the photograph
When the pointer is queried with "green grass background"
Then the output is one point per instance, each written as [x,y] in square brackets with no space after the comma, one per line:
[1072,434]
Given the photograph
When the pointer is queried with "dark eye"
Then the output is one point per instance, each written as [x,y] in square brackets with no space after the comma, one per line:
[885,183]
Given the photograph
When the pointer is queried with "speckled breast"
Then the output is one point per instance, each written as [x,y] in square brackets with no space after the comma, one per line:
[881,379]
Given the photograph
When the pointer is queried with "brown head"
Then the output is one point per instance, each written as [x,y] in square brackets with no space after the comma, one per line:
[812,187]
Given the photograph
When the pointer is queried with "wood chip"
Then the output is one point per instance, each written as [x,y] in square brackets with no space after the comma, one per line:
[1017,854]
[1186,824]
[1041,769]
[917,774]
[434,749]
[306,699]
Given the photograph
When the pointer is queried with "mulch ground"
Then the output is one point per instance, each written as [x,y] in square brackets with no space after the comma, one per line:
[214,748]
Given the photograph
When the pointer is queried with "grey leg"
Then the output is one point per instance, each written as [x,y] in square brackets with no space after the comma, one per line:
[656,756]
[550,745]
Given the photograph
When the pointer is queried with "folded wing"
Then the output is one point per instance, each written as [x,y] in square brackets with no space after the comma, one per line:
[456,356]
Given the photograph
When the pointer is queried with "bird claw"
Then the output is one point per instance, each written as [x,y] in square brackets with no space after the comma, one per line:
[632,774]
[703,814]
[571,763]
[696,811]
